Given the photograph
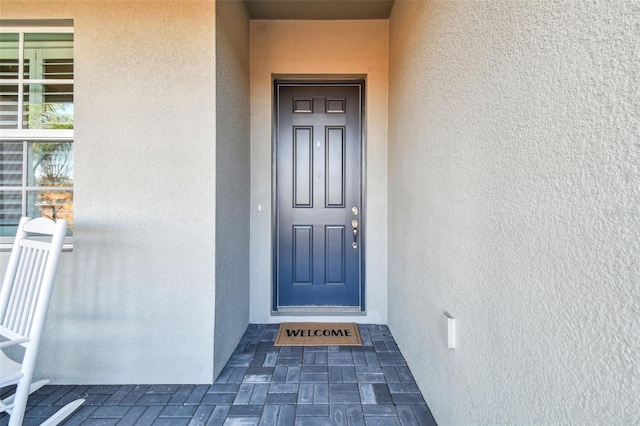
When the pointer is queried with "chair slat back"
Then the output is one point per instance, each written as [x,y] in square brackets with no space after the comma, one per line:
[28,283]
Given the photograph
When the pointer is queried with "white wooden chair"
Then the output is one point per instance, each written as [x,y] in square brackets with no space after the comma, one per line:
[24,301]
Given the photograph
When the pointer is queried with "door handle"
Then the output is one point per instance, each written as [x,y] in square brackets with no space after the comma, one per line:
[354,224]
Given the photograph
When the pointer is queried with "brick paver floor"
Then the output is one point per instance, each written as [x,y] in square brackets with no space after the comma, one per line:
[263,385]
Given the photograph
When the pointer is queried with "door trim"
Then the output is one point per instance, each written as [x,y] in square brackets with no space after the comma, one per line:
[313,80]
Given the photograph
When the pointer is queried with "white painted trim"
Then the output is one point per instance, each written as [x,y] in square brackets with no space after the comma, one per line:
[20,82]
[36,134]
[28,29]
[36,81]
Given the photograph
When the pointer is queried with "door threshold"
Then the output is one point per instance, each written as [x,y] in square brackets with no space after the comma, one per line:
[318,310]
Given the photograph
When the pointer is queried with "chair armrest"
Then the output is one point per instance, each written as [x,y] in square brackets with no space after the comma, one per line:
[14,342]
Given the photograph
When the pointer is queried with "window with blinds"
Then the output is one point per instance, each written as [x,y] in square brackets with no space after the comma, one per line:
[36,125]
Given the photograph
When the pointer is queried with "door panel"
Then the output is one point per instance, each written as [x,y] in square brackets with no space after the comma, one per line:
[335,256]
[318,181]
[303,166]
[302,254]
[335,167]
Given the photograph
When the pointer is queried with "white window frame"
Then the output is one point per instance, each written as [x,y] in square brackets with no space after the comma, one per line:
[25,136]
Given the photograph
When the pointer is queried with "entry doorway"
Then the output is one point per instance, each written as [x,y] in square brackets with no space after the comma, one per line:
[319,208]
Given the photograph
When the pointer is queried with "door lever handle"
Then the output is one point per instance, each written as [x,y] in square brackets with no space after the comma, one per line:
[355,234]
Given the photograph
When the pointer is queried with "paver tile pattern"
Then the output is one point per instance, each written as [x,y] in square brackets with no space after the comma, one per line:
[263,385]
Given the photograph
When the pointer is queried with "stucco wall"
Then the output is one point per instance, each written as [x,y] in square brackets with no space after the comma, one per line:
[134,301]
[233,178]
[514,200]
[319,47]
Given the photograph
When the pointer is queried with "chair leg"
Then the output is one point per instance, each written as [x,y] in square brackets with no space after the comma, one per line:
[16,415]
[63,413]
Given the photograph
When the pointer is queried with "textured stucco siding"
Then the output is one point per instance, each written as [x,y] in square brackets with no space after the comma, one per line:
[298,48]
[233,181]
[514,194]
[134,301]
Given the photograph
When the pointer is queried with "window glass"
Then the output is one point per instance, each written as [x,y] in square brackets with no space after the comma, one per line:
[36,115]
[51,204]
[10,212]
[48,106]
[8,106]
[50,164]
[9,45]
[11,161]
[52,54]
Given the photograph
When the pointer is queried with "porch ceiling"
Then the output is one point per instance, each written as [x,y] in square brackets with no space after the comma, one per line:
[319,9]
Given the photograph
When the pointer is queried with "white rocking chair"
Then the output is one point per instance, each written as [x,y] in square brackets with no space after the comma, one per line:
[24,301]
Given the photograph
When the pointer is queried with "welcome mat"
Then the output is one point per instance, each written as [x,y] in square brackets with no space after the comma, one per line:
[318,334]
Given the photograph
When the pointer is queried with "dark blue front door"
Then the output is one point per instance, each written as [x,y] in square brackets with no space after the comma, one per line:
[318,152]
